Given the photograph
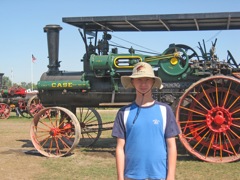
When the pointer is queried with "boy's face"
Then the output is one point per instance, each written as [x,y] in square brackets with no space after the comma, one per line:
[143,85]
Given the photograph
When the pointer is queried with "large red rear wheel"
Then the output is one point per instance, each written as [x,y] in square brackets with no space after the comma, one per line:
[55,131]
[208,115]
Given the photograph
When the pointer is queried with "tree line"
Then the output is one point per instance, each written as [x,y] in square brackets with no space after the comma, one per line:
[7,83]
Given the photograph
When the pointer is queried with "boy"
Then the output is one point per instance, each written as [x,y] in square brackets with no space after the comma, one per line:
[145,131]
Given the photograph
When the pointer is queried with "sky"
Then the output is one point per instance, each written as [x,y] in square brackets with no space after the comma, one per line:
[22,23]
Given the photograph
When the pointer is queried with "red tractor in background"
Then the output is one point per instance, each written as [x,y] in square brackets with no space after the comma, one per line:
[17,99]
[14,92]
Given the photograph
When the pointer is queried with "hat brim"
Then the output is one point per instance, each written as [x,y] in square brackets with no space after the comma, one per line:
[127,84]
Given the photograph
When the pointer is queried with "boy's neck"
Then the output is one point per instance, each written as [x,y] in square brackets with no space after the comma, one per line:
[144,100]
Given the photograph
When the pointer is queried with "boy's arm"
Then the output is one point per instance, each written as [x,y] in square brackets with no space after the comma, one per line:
[172,158]
[120,158]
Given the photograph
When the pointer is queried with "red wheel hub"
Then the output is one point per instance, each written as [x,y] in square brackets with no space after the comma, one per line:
[54,131]
[65,129]
[219,119]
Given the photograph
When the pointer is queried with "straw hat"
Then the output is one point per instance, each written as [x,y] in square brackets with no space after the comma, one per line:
[140,70]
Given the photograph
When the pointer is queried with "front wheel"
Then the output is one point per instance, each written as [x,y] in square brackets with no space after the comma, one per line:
[55,131]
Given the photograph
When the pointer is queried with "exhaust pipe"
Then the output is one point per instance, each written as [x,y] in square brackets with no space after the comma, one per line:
[52,31]
[1,80]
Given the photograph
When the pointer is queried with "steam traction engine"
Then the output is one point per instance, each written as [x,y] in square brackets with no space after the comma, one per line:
[203,91]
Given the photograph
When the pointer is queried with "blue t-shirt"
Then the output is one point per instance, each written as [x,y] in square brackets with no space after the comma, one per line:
[145,130]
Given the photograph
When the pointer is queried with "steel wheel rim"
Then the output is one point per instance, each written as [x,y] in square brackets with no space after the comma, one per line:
[55,135]
[208,115]
[91,126]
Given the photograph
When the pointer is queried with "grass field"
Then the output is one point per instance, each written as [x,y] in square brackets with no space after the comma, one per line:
[20,160]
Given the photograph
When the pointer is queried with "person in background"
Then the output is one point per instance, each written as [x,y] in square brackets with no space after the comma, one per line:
[145,131]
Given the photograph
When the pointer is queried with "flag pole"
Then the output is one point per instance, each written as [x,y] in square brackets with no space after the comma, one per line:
[33,60]
[32,73]
[12,77]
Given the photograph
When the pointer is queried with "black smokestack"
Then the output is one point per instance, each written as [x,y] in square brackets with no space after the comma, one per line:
[1,80]
[53,47]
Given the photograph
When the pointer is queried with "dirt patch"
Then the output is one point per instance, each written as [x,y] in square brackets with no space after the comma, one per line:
[15,145]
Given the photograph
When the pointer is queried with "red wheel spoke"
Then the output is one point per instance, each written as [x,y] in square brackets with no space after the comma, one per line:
[206,95]
[238,126]
[231,144]
[42,134]
[195,131]
[236,111]
[211,142]
[226,97]
[220,144]
[216,93]
[50,148]
[190,125]
[58,152]
[64,143]
[195,121]
[44,141]
[234,133]
[45,124]
[234,102]
[191,110]
[199,103]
